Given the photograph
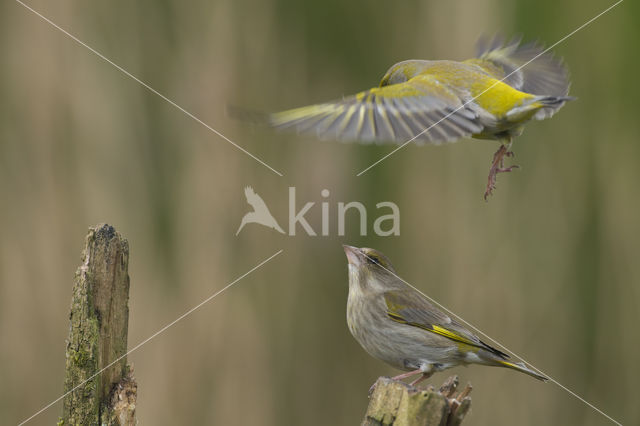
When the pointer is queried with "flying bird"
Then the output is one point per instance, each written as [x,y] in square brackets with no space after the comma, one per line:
[491,96]
[260,213]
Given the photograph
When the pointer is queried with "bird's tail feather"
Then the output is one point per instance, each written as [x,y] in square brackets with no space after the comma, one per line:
[555,100]
[523,369]
[551,104]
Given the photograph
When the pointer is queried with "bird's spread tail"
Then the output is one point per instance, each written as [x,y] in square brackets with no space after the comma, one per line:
[523,369]
[550,104]
[537,107]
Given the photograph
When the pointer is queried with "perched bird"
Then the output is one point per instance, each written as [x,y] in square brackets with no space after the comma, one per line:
[260,213]
[488,97]
[396,324]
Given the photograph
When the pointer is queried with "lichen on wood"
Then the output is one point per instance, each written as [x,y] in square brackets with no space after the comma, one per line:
[399,404]
[98,325]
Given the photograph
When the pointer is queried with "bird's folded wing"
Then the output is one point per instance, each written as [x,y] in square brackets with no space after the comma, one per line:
[419,108]
[526,67]
[409,307]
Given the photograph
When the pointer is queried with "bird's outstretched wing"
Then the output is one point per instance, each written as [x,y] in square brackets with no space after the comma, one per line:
[545,75]
[392,113]
[407,306]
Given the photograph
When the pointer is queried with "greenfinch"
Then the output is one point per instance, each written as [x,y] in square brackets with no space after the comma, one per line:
[396,324]
[491,96]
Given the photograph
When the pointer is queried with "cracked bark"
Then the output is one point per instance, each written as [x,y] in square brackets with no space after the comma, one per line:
[98,324]
[398,404]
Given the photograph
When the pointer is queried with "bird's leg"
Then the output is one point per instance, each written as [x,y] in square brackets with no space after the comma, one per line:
[409,374]
[497,166]
[400,377]
[509,154]
[421,378]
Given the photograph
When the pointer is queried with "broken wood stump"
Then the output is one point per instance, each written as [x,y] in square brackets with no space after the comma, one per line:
[396,403]
[99,385]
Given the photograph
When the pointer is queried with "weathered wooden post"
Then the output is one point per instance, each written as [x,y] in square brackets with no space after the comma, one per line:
[98,336]
[398,404]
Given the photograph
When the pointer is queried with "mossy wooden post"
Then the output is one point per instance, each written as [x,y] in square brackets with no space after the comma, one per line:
[98,335]
[398,404]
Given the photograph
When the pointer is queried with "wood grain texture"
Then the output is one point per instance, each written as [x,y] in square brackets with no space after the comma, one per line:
[98,326]
[399,404]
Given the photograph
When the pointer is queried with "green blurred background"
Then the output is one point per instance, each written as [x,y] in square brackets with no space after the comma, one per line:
[548,267]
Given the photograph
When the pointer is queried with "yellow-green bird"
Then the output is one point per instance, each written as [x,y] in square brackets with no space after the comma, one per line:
[489,97]
[396,324]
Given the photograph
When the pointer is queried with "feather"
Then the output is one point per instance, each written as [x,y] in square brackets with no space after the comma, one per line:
[393,113]
[544,75]
[409,307]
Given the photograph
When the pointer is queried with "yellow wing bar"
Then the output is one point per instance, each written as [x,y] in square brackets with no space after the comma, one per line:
[437,330]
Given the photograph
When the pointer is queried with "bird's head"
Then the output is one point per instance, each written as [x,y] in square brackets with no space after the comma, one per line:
[369,268]
[403,71]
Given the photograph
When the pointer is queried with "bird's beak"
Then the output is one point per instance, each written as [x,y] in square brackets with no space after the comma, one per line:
[353,255]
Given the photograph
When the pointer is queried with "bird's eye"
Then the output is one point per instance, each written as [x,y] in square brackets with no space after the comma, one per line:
[373,260]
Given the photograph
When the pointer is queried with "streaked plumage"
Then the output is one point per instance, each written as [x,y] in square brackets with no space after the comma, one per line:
[465,99]
[399,326]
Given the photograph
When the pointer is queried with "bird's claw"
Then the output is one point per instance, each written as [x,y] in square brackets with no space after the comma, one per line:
[507,169]
[497,166]
[490,187]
